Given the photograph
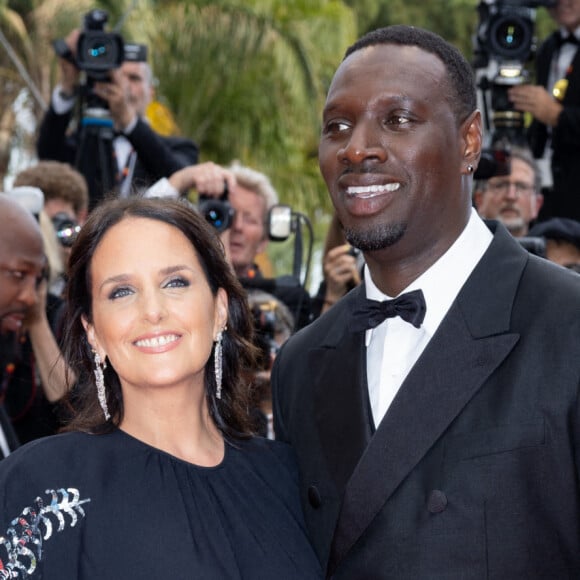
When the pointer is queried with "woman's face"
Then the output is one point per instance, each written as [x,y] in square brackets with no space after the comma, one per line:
[154,315]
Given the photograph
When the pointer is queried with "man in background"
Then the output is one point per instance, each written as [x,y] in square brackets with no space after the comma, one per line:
[562,240]
[513,199]
[251,195]
[22,264]
[554,102]
[141,156]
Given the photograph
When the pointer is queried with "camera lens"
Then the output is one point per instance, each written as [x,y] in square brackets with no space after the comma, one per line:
[67,229]
[219,213]
[511,36]
[97,50]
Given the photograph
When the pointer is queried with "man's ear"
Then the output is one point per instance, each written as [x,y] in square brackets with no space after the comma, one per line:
[473,140]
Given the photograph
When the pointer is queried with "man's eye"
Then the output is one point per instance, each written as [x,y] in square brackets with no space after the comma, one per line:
[17,274]
[398,120]
[120,292]
[335,127]
[178,282]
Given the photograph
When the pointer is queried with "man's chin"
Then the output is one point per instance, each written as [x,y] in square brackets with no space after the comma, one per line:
[375,238]
[513,224]
[11,323]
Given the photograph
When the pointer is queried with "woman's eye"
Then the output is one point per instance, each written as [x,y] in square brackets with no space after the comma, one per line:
[120,293]
[178,282]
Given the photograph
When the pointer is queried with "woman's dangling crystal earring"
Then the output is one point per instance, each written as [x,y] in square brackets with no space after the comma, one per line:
[100,380]
[217,362]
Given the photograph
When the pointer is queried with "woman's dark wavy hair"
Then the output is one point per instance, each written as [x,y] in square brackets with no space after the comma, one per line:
[230,413]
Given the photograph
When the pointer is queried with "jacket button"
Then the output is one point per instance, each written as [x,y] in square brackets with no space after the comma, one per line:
[437,502]
[314,497]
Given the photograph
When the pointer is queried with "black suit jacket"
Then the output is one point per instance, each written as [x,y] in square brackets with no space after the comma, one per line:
[564,200]
[473,472]
[157,156]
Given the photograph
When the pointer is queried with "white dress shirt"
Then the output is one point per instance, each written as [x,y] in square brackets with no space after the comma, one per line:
[394,346]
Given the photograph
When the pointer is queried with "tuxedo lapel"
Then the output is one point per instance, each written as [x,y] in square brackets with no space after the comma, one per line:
[470,344]
[338,368]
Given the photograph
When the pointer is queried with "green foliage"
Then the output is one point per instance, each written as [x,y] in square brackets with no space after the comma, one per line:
[247,81]
[245,78]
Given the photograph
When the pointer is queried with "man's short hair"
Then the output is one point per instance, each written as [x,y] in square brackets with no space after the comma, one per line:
[462,91]
[57,181]
[255,181]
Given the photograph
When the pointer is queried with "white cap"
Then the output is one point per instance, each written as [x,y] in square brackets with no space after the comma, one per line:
[29,197]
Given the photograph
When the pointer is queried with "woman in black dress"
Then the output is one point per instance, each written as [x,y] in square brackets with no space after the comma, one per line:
[158,475]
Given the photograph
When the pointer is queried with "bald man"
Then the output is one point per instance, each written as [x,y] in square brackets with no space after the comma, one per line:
[22,263]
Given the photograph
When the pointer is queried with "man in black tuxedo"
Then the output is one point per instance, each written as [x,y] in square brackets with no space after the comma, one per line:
[555,105]
[434,409]
[22,263]
[139,155]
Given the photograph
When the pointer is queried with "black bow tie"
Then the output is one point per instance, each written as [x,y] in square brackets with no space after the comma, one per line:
[370,313]
[570,38]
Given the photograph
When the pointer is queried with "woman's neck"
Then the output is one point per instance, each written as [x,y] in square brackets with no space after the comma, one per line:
[178,425]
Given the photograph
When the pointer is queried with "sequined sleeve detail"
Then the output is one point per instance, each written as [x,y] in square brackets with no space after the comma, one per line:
[21,547]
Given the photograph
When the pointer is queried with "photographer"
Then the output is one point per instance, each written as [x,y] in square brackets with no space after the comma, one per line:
[141,156]
[250,197]
[562,240]
[554,134]
[66,201]
[513,199]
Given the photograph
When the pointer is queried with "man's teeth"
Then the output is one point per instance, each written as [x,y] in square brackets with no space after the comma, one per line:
[373,189]
[157,341]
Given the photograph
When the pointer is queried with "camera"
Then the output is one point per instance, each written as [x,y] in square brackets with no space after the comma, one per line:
[67,229]
[504,43]
[217,211]
[97,52]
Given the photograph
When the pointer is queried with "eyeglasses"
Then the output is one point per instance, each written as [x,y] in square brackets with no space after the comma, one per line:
[503,187]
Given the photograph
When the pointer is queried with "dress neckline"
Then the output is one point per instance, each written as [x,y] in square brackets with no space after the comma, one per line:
[152,448]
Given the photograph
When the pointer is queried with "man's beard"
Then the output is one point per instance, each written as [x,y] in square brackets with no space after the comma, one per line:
[375,237]
[514,225]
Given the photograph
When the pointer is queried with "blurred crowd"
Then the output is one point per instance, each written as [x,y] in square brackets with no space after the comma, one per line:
[59,191]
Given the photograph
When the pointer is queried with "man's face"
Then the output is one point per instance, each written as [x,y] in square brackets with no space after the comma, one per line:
[511,199]
[22,264]
[393,154]
[138,83]
[248,233]
[566,13]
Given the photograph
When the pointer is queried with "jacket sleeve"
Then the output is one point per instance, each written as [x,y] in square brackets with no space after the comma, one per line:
[53,142]
[161,156]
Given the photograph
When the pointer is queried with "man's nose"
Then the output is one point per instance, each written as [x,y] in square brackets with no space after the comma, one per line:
[364,143]
[237,221]
[512,192]
[28,294]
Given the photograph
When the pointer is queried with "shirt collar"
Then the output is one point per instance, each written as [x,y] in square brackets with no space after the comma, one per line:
[442,282]
[564,32]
